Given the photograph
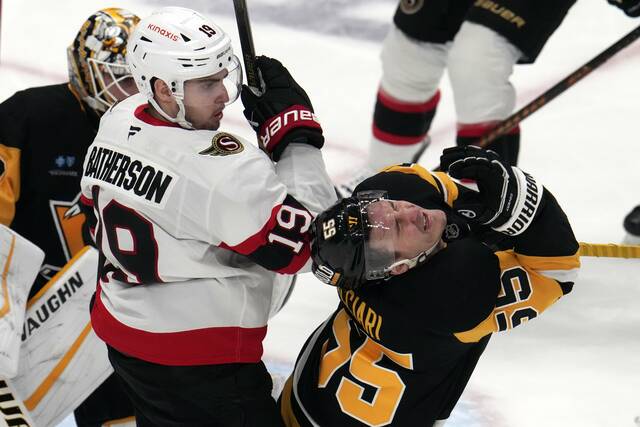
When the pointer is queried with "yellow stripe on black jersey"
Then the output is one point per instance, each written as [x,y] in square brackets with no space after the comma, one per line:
[286,410]
[526,290]
[428,185]
[9,182]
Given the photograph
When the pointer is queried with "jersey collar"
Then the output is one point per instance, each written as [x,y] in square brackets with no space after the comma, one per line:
[142,114]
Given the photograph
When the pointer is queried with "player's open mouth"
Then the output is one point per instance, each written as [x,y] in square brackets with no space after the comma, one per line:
[218,116]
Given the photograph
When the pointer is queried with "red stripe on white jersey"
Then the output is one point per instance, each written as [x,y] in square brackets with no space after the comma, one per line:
[205,346]
[251,244]
[298,261]
[142,115]
[260,239]
[86,201]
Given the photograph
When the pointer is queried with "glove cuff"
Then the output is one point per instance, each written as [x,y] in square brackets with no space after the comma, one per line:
[273,130]
[529,195]
[301,135]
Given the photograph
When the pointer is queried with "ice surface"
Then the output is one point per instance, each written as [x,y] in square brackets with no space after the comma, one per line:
[579,364]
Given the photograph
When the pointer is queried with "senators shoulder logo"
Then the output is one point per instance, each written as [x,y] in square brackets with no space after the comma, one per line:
[223,144]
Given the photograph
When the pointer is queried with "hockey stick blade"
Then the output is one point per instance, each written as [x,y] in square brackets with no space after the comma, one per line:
[246,42]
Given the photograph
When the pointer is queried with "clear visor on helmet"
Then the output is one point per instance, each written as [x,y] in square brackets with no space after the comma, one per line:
[217,89]
[111,82]
[377,223]
[233,81]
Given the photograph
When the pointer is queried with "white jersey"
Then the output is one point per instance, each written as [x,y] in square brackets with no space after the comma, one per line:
[187,222]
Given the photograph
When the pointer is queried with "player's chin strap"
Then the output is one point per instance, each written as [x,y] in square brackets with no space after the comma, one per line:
[421,258]
[179,118]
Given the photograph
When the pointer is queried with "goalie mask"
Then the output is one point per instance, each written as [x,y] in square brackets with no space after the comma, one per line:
[176,45]
[98,72]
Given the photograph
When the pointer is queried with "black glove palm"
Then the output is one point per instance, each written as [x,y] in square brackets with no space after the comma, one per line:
[507,198]
[282,113]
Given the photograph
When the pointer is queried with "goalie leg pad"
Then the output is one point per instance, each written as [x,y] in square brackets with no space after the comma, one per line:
[20,262]
[61,359]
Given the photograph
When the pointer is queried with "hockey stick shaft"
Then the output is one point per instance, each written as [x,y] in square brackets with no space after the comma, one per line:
[246,42]
[609,250]
[512,121]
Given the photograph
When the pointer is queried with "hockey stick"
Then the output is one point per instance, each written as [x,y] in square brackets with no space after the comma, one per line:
[246,42]
[610,250]
[512,121]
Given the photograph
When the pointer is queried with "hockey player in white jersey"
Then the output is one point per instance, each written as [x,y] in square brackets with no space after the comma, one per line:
[197,228]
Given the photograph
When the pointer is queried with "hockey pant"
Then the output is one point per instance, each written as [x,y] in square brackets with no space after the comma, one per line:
[226,395]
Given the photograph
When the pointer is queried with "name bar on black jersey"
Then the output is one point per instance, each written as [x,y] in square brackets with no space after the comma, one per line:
[133,175]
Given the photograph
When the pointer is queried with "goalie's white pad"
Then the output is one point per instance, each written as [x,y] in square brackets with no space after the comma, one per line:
[62,361]
[20,262]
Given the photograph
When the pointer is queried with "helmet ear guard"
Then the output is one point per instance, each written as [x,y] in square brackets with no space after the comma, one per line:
[96,58]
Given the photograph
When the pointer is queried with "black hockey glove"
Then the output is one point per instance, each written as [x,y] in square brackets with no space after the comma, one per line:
[629,7]
[507,199]
[283,113]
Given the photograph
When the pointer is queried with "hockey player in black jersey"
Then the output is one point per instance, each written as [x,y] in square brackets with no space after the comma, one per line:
[44,134]
[479,42]
[421,291]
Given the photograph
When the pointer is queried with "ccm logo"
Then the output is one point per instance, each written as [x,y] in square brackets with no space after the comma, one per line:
[163,32]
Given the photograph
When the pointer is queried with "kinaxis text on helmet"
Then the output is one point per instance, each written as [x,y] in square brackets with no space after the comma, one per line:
[163,32]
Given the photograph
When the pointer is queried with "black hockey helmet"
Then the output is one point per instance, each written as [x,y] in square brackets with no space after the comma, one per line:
[340,247]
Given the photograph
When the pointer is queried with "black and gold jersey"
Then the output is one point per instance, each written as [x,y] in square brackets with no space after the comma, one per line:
[400,352]
[44,134]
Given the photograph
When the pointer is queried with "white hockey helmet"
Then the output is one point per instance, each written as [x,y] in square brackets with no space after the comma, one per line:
[176,44]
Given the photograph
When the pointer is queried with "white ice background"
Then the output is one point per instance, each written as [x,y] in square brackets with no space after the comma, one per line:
[576,365]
